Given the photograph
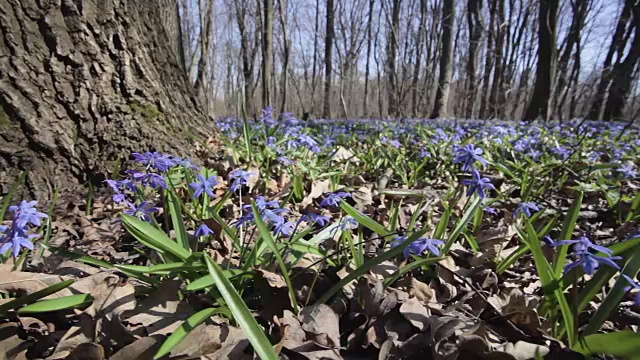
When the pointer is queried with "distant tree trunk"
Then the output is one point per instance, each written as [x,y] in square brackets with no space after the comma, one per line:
[392,48]
[82,85]
[446,60]
[328,52]
[314,72]
[205,41]
[365,110]
[416,69]
[496,99]
[573,40]
[267,52]
[488,66]
[247,58]
[623,73]
[286,48]
[618,43]
[474,20]
[545,69]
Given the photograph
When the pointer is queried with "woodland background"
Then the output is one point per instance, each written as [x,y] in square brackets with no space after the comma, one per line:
[506,59]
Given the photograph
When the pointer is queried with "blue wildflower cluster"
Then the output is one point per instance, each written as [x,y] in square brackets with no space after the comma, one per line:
[16,236]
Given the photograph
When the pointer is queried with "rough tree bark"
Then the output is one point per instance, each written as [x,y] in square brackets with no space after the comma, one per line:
[82,85]
[267,52]
[446,60]
[545,69]
[328,54]
[474,21]
[392,47]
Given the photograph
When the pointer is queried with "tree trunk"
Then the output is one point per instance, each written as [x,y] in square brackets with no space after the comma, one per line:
[618,43]
[545,69]
[392,47]
[474,20]
[365,110]
[247,59]
[446,60]
[496,99]
[282,6]
[267,52]
[623,73]
[422,29]
[328,52]
[83,84]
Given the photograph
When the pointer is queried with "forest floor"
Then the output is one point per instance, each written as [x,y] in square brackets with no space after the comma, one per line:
[349,239]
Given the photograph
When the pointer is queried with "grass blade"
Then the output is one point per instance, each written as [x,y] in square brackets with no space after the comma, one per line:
[175,210]
[566,233]
[621,345]
[266,236]
[14,304]
[153,237]
[371,263]
[184,329]
[63,303]
[241,313]
[364,220]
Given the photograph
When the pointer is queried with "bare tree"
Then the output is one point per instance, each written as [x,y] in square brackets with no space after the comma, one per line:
[267,52]
[446,60]
[365,109]
[545,69]
[282,6]
[328,52]
[474,20]
[392,47]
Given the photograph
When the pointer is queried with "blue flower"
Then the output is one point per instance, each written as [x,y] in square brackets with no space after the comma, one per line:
[262,203]
[16,239]
[283,228]
[203,185]
[490,210]
[634,289]
[240,177]
[154,160]
[285,161]
[561,152]
[477,184]
[590,262]
[525,208]
[334,199]
[26,213]
[627,171]
[467,155]
[348,223]
[320,220]
[142,211]
[582,244]
[419,246]
[203,230]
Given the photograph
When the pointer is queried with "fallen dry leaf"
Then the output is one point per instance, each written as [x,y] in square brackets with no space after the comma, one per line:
[416,313]
[160,313]
[321,324]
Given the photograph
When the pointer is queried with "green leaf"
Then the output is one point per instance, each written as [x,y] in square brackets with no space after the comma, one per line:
[207,281]
[153,237]
[407,268]
[63,303]
[462,224]
[241,313]
[12,191]
[266,236]
[371,263]
[611,301]
[16,303]
[175,210]
[513,257]
[184,329]
[619,344]
[364,220]
[547,278]
[566,233]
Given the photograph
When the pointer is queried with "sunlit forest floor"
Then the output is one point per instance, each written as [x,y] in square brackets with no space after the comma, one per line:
[339,239]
